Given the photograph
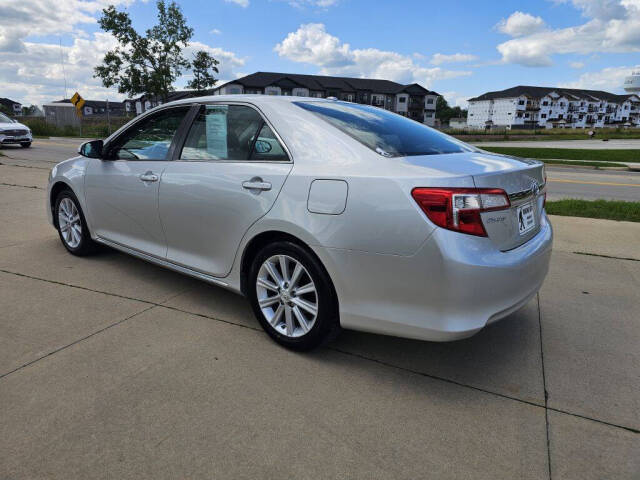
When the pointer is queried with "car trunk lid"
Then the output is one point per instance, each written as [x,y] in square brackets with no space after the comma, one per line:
[523,181]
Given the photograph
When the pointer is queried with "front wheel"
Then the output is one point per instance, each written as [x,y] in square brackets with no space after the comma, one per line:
[72,226]
[292,296]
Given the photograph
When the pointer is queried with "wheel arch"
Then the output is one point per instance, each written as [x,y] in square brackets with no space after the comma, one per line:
[56,188]
[271,236]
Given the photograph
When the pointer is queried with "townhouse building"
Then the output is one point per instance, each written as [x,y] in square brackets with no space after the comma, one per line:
[548,107]
[11,106]
[412,100]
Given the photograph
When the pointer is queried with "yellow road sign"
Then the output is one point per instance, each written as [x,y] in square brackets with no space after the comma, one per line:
[78,102]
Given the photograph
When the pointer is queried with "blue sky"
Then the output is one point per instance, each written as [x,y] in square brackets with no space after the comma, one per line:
[458,48]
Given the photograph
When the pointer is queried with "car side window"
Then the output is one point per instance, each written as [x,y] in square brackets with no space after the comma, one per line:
[150,138]
[224,132]
[267,146]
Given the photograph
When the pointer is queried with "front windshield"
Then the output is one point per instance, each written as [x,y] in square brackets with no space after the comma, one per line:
[387,133]
[5,119]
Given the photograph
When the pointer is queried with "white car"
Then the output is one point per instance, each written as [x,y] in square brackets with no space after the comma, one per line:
[325,214]
[14,133]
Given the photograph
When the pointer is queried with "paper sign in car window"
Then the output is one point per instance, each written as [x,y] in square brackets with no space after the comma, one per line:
[216,128]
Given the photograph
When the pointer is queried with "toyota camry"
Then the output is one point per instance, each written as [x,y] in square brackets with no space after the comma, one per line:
[325,214]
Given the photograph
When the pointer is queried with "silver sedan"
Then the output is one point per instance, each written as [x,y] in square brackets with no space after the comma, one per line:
[325,214]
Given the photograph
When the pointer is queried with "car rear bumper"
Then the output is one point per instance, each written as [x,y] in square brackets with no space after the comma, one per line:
[450,289]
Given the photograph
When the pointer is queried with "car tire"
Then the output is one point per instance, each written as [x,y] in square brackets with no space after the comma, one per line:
[72,226]
[290,319]
[25,145]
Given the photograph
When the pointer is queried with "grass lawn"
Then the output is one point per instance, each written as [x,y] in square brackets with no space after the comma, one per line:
[610,210]
[569,154]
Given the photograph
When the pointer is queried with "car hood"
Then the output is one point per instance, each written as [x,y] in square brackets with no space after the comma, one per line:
[12,126]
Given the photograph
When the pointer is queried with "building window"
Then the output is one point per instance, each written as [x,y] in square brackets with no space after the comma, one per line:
[544,115]
[519,115]
[430,101]
[402,100]
[545,103]
[521,102]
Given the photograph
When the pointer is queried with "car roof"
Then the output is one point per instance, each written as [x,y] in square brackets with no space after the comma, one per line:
[252,98]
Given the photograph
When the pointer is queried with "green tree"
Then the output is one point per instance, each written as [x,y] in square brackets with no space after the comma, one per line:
[149,63]
[204,66]
[6,110]
[445,113]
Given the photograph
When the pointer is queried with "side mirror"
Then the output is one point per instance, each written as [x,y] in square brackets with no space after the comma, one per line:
[92,149]
[262,146]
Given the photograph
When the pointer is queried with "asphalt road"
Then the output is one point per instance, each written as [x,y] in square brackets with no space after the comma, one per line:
[592,184]
[111,367]
[593,144]
[585,183]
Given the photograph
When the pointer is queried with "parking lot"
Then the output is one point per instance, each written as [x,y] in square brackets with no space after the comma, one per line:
[111,367]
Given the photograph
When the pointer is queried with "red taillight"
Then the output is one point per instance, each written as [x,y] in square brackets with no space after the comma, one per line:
[459,209]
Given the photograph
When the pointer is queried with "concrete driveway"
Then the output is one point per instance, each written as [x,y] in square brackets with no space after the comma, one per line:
[114,368]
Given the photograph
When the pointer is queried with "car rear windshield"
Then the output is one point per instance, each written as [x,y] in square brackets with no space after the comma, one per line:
[389,134]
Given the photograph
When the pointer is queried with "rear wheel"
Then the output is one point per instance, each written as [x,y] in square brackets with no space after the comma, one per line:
[292,296]
[72,226]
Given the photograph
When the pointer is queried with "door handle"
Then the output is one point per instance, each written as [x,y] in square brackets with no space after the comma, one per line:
[149,177]
[256,184]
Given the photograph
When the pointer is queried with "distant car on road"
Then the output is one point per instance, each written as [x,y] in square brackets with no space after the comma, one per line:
[12,132]
[325,214]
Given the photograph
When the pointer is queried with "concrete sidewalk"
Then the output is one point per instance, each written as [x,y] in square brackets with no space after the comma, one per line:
[114,368]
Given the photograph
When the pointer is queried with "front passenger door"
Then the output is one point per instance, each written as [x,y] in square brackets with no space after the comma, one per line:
[122,190]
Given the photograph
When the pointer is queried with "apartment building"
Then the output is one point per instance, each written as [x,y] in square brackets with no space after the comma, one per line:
[413,100]
[548,107]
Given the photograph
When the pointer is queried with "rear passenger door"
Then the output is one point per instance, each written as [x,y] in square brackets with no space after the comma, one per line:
[226,176]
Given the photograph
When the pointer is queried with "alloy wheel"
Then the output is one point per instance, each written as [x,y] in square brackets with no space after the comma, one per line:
[69,223]
[287,295]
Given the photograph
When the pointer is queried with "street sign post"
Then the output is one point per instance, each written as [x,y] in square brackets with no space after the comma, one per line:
[78,102]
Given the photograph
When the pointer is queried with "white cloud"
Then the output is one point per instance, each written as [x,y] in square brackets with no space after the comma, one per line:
[36,74]
[455,99]
[312,44]
[229,62]
[215,31]
[604,9]
[576,64]
[608,79]
[614,27]
[313,3]
[20,19]
[33,72]
[439,58]
[520,23]
[241,3]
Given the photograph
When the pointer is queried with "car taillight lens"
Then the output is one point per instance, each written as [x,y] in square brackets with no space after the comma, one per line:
[459,209]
